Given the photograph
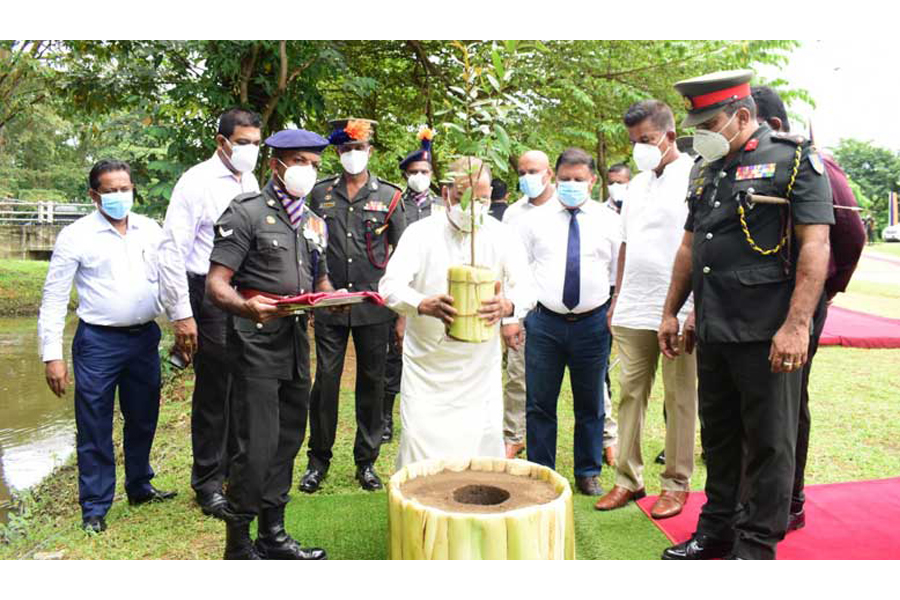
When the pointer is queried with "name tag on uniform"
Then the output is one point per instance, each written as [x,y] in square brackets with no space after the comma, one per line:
[766,171]
[327,204]
[376,205]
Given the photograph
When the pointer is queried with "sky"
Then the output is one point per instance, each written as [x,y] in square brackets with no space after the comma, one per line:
[855,86]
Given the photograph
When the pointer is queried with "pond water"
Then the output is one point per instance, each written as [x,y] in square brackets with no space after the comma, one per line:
[37,429]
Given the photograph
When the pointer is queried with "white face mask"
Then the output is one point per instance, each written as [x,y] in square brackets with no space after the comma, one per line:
[243,156]
[299,180]
[648,156]
[617,191]
[463,218]
[419,182]
[712,145]
[354,161]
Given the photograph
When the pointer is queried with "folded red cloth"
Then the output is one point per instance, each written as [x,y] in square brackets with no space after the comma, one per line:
[312,299]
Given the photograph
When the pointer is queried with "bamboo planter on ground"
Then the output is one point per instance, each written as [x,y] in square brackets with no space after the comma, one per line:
[481,508]
[469,287]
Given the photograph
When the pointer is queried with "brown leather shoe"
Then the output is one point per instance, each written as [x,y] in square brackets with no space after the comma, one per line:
[668,504]
[513,449]
[609,455]
[618,497]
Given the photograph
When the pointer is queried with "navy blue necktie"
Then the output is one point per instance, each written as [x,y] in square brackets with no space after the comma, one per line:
[572,283]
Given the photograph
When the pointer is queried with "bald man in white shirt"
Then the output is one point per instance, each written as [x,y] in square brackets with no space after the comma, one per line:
[111,256]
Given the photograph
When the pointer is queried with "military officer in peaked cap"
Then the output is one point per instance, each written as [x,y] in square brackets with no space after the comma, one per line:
[418,201]
[755,254]
[269,244]
[365,218]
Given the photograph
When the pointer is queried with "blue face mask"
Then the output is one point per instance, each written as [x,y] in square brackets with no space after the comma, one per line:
[572,193]
[532,184]
[117,205]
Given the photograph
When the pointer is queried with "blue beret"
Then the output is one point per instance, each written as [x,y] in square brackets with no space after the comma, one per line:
[300,139]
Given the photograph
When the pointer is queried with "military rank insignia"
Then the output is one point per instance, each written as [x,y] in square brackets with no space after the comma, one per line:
[766,171]
[376,205]
[816,161]
[696,187]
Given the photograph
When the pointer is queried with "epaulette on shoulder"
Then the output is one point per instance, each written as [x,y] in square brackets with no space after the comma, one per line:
[332,179]
[388,183]
[247,196]
[792,138]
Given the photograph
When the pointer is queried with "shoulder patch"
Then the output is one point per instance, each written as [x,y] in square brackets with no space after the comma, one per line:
[792,138]
[815,161]
[247,196]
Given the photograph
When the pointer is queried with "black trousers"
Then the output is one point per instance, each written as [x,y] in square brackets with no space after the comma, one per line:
[268,425]
[748,424]
[209,403]
[393,369]
[798,498]
[371,343]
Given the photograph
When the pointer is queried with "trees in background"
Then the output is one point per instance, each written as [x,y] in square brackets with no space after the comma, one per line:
[872,170]
[155,103]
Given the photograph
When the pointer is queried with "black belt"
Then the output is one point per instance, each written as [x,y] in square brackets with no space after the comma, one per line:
[569,317]
[126,329]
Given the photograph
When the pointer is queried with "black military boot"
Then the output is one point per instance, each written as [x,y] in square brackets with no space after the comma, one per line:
[387,433]
[274,543]
[238,545]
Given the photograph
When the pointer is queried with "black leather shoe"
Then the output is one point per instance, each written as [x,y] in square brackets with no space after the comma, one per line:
[796,520]
[699,547]
[154,495]
[212,504]
[274,543]
[368,478]
[589,486]
[311,480]
[660,458]
[238,545]
[94,524]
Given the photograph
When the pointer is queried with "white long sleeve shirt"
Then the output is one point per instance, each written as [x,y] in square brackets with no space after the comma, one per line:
[200,197]
[116,277]
[545,233]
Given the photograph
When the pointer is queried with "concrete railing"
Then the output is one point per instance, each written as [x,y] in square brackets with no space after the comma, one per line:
[22,212]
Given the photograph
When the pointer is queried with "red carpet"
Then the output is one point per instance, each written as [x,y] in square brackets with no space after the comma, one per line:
[844,521]
[845,327]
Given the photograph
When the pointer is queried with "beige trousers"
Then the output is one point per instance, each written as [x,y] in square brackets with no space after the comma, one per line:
[514,397]
[639,354]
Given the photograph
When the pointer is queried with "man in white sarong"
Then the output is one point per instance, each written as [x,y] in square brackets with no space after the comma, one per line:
[451,394]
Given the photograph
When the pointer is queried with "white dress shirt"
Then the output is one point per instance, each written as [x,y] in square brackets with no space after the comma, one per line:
[200,197]
[545,232]
[116,277]
[652,228]
[514,216]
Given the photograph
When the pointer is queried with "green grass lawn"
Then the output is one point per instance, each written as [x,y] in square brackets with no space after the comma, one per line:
[21,282]
[855,436]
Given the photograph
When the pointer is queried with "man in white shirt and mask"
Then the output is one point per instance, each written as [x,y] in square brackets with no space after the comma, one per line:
[200,197]
[652,229]
[619,176]
[111,256]
[451,392]
[537,189]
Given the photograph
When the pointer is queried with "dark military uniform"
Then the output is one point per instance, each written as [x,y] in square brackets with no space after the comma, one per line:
[741,298]
[360,237]
[393,370]
[255,239]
